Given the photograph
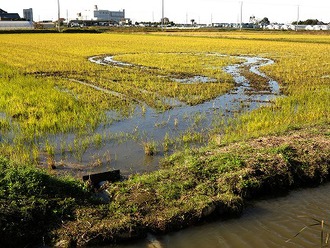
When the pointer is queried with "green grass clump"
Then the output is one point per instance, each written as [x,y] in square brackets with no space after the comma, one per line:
[205,183]
[32,203]
[192,186]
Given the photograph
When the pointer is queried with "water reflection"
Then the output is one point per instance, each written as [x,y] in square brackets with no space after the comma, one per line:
[267,224]
[119,144]
[152,125]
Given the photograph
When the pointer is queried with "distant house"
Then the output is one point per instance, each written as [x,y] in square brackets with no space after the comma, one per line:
[276,26]
[14,25]
[300,27]
[325,27]
[5,16]
[225,25]
[317,27]
[285,27]
[45,24]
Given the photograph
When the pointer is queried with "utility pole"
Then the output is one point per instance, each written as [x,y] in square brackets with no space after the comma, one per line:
[298,10]
[163,14]
[58,16]
[241,19]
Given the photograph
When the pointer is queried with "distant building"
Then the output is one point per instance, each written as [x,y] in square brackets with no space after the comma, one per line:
[47,24]
[5,16]
[107,15]
[225,25]
[14,25]
[28,14]
[297,27]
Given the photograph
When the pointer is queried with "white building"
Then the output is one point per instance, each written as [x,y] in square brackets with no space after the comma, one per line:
[14,25]
[107,15]
[317,27]
[28,14]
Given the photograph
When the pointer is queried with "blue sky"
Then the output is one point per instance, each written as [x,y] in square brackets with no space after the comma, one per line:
[203,11]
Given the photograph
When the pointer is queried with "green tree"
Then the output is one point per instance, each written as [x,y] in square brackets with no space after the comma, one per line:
[264,22]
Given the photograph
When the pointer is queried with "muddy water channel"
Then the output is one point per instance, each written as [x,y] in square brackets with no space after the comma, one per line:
[124,147]
[266,223]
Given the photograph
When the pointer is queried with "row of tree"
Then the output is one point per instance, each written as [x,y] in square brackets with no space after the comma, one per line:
[265,21]
[310,22]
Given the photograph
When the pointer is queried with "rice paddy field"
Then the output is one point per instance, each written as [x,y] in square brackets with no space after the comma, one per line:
[57,107]
[181,114]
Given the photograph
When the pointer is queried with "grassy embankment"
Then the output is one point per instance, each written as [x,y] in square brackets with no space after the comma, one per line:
[193,186]
[270,150]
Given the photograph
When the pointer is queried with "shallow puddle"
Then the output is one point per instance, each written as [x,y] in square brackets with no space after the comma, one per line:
[124,138]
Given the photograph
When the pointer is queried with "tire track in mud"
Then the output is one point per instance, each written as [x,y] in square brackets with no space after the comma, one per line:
[243,84]
[111,92]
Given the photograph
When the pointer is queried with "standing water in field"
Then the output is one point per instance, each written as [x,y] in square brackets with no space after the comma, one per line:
[267,223]
[147,130]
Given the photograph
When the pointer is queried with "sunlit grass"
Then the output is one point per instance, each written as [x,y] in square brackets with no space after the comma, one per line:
[40,93]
